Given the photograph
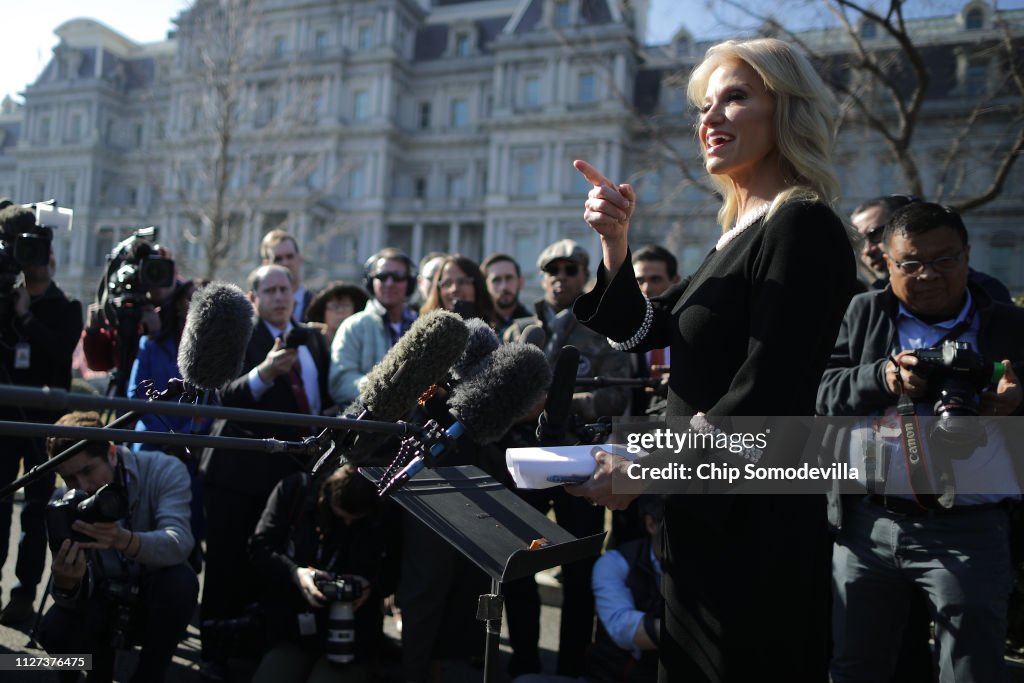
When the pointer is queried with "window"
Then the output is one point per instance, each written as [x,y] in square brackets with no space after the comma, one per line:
[357,183]
[562,14]
[1001,260]
[75,128]
[320,43]
[531,91]
[586,88]
[578,185]
[364,37]
[420,188]
[138,135]
[868,30]
[44,129]
[463,45]
[280,46]
[71,189]
[460,113]
[424,115]
[527,176]
[361,110]
[976,79]
[650,188]
[974,20]
[102,245]
[456,185]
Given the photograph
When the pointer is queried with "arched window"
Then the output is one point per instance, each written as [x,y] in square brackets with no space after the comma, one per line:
[974,19]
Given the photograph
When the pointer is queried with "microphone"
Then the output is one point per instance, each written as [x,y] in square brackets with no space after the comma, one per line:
[551,425]
[417,361]
[534,334]
[217,330]
[485,407]
[481,344]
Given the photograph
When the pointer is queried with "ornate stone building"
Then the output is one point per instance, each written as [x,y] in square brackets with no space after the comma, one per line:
[430,126]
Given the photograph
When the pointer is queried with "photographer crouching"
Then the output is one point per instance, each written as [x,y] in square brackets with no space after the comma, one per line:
[327,555]
[120,540]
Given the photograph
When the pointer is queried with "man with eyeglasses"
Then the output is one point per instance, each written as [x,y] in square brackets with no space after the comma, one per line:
[564,272]
[869,220]
[902,536]
[364,337]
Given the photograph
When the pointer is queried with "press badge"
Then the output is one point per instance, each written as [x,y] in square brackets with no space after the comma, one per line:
[307,624]
[22,356]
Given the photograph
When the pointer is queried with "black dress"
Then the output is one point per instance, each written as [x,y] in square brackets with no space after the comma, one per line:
[746,576]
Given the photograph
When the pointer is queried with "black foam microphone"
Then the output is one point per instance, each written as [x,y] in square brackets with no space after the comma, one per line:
[217,330]
[551,425]
[417,361]
[481,344]
[534,334]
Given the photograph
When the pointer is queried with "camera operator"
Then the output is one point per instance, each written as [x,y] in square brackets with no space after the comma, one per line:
[139,279]
[39,328]
[310,536]
[891,541]
[123,582]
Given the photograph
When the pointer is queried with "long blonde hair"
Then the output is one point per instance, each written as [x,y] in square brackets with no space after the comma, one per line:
[804,119]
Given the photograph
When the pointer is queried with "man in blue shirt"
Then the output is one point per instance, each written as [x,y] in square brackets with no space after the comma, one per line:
[898,537]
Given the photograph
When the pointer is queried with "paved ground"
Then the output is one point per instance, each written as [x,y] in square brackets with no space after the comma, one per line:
[185,666]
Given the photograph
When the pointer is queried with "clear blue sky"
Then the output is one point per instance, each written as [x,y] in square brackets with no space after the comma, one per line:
[26,47]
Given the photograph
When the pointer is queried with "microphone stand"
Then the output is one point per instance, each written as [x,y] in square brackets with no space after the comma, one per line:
[601,382]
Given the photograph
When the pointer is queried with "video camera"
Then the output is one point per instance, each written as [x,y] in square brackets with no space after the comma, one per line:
[108,504]
[956,374]
[135,269]
[26,233]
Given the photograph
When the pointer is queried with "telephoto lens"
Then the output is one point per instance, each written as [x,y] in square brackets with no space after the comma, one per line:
[341,625]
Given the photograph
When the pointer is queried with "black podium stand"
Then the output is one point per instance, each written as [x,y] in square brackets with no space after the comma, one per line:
[493,528]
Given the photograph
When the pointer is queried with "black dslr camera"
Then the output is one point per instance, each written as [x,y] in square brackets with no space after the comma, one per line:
[24,241]
[956,374]
[341,634]
[108,504]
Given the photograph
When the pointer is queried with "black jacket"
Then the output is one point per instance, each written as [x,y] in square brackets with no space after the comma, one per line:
[289,536]
[52,332]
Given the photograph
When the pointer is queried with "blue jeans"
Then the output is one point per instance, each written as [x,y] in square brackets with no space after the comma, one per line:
[960,558]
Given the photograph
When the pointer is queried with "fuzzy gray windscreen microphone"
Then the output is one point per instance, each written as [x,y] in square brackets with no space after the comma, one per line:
[482,342]
[424,354]
[217,330]
[514,381]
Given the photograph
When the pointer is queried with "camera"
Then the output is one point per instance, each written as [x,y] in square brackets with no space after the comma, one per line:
[108,504]
[956,374]
[24,240]
[296,337]
[136,268]
[341,635]
[124,595]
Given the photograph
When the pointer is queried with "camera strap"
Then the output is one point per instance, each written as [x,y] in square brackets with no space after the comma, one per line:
[913,451]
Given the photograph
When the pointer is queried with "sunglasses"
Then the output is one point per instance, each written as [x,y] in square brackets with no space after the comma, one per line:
[569,269]
[389,275]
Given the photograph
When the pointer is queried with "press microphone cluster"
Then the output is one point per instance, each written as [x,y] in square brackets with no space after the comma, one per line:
[509,384]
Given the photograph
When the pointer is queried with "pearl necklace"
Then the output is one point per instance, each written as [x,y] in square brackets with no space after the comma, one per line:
[744,222]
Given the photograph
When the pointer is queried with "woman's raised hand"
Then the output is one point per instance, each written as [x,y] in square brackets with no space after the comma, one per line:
[608,209]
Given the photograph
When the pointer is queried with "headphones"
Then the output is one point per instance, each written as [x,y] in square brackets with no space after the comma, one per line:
[390,253]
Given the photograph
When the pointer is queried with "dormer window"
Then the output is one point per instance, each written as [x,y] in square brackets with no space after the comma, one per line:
[562,14]
[868,30]
[974,19]
[462,38]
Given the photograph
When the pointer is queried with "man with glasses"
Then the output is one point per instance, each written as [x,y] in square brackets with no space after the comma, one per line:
[869,220]
[564,272]
[899,538]
[364,338]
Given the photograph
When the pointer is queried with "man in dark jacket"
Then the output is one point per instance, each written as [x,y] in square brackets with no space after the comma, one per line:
[899,536]
[40,329]
[237,483]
